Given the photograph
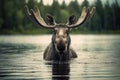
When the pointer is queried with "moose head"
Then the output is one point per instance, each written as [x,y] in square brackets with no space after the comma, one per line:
[60,44]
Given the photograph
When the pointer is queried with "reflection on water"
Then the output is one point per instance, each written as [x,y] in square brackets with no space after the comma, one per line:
[60,71]
[21,58]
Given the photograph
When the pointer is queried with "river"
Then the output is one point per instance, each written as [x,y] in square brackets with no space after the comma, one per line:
[21,58]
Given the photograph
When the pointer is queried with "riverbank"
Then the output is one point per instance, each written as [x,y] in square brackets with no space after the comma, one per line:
[44,31]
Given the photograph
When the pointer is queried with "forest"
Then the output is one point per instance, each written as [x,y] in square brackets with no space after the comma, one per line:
[13,19]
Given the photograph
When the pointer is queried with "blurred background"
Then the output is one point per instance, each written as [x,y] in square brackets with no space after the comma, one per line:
[21,55]
[105,20]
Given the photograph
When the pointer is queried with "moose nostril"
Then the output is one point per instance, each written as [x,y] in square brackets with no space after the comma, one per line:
[65,41]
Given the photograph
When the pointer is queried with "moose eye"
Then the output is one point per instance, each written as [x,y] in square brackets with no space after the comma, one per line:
[64,36]
[58,36]
[66,29]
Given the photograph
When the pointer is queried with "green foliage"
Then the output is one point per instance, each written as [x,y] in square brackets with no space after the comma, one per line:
[14,21]
[85,3]
[108,16]
[64,15]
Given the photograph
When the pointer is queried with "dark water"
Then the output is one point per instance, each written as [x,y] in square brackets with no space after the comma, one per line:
[21,58]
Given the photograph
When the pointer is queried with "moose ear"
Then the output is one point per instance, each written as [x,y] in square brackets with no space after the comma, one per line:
[72,19]
[50,19]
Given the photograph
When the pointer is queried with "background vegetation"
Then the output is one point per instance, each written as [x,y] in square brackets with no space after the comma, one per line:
[14,21]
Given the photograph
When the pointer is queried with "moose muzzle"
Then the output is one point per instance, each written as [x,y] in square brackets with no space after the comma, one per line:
[61,45]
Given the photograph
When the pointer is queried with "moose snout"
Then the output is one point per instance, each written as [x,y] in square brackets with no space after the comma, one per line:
[61,45]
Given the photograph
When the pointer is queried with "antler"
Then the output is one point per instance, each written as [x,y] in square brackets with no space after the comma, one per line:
[34,15]
[91,13]
[86,14]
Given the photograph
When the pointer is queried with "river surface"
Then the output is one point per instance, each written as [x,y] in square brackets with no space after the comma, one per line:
[21,58]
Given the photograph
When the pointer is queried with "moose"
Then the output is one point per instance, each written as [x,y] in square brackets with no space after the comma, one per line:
[59,49]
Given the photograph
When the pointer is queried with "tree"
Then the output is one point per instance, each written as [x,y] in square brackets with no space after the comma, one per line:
[100,12]
[55,8]
[74,7]
[1,13]
[63,6]
[7,14]
[116,13]
[64,16]
[108,16]
[13,18]
[85,3]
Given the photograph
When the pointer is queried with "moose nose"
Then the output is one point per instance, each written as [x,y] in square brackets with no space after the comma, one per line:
[61,45]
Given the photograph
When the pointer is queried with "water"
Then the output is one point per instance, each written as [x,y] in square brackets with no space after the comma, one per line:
[21,58]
